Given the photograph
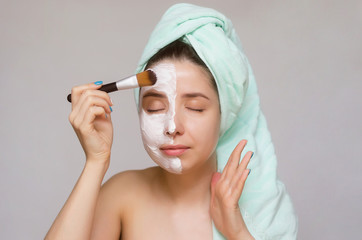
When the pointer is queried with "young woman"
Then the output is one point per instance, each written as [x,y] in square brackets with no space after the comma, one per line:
[194,123]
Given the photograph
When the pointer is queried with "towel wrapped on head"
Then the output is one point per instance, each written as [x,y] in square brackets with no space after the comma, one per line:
[265,205]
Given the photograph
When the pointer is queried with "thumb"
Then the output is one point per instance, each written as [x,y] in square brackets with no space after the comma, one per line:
[215,178]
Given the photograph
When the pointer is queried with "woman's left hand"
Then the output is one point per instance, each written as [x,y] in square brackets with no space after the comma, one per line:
[226,189]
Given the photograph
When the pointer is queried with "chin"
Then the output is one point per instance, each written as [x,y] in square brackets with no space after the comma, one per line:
[173,171]
[169,164]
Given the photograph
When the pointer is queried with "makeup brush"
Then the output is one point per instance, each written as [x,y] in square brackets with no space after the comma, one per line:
[142,79]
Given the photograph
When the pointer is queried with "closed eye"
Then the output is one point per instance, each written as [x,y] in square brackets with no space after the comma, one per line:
[154,110]
[196,109]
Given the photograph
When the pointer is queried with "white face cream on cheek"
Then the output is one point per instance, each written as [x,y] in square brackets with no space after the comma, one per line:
[154,126]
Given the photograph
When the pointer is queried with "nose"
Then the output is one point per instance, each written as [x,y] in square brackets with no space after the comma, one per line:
[174,126]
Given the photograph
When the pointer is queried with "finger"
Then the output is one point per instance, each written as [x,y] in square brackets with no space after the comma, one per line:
[94,100]
[241,168]
[86,104]
[234,159]
[246,159]
[87,96]
[236,194]
[215,178]
[89,93]
[78,90]
[92,114]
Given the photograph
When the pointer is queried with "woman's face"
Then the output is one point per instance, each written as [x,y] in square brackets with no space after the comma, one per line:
[179,116]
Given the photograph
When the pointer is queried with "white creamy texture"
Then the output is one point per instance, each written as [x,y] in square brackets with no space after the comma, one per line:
[154,126]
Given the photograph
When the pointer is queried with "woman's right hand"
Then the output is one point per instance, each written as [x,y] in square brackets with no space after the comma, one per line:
[91,120]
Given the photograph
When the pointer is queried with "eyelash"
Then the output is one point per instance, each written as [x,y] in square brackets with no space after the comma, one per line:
[154,110]
[196,110]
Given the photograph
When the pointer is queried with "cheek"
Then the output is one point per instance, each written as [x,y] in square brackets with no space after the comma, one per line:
[205,130]
[152,128]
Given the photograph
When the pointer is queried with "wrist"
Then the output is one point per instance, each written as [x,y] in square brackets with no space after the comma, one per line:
[95,165]
[244,236]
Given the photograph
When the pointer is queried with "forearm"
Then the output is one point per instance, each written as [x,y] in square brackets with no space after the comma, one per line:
[245,236]
[76,217]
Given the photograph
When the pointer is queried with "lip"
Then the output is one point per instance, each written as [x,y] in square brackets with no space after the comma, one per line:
[174,150]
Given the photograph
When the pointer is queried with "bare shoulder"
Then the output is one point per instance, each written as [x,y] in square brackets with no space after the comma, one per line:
[125,190]
[131,178]
[125,185]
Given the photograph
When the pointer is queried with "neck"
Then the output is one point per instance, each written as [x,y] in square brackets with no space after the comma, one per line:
[190,187]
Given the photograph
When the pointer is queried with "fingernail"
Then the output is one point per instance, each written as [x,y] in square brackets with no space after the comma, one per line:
[252,155]
[98,83]
[106,115]
[111,108]
[249,172]
[111,101]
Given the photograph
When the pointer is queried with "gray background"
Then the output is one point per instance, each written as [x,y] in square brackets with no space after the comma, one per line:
[307,58]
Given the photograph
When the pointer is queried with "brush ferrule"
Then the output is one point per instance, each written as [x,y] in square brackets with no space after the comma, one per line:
[130,82]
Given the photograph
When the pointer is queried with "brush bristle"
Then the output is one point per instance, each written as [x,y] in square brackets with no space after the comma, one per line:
[146,78]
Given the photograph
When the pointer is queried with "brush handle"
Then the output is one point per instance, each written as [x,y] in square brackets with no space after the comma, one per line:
[109,87]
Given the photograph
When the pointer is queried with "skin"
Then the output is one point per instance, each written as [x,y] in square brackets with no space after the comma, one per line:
[197,115]
[157,118]
[154,203]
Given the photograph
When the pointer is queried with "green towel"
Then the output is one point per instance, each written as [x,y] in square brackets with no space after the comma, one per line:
[265,205]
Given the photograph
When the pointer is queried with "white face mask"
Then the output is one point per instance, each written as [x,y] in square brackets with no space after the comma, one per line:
[154,127]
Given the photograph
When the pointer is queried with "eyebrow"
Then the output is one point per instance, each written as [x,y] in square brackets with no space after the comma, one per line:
[194,95]
[153,94]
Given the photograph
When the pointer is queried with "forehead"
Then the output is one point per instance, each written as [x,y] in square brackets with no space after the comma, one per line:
[182,75]
[166,78]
